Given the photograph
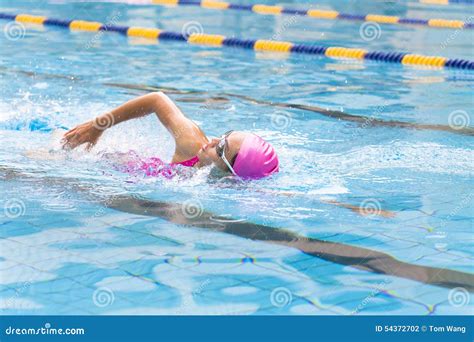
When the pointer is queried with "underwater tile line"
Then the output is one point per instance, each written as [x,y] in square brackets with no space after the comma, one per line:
[339,253]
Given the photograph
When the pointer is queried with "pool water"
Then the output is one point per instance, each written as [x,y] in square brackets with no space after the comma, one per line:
[65,249]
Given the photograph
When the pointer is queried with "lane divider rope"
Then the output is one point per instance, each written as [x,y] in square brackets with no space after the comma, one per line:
[319,14]
[447,2]
[257,45]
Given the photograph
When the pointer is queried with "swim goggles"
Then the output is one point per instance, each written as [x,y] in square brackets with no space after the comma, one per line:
[220,149]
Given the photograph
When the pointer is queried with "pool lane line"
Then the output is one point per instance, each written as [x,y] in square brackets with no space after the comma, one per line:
[365,121]
[340,253]
[215,40]
[318,14]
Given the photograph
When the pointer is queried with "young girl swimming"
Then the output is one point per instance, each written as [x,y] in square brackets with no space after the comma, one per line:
[245,155]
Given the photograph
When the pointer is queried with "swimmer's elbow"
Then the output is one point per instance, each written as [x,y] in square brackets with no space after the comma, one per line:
[164,108]
[158,96]
[160,100]
[157,101]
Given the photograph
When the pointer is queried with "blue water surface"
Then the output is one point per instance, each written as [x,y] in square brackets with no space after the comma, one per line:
[64,251]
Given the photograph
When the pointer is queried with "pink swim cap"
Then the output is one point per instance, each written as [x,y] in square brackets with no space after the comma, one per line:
[256,158]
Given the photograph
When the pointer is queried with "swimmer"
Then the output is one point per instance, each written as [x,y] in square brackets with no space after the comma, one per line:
[242,154]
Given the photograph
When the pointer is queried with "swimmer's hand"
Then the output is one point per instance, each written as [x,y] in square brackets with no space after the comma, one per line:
[86,133]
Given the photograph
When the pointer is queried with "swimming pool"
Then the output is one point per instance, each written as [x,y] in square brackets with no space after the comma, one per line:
[80,238]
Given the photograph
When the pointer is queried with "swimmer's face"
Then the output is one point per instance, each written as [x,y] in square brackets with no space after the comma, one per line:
[208,154]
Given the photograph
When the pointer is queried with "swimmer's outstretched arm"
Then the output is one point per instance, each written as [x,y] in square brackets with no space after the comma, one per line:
[183,130]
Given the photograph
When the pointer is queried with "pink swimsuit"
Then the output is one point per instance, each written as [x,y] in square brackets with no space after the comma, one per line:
[153,166]
[189,163]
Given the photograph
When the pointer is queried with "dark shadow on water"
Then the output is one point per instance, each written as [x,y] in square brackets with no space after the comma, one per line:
[340,253]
